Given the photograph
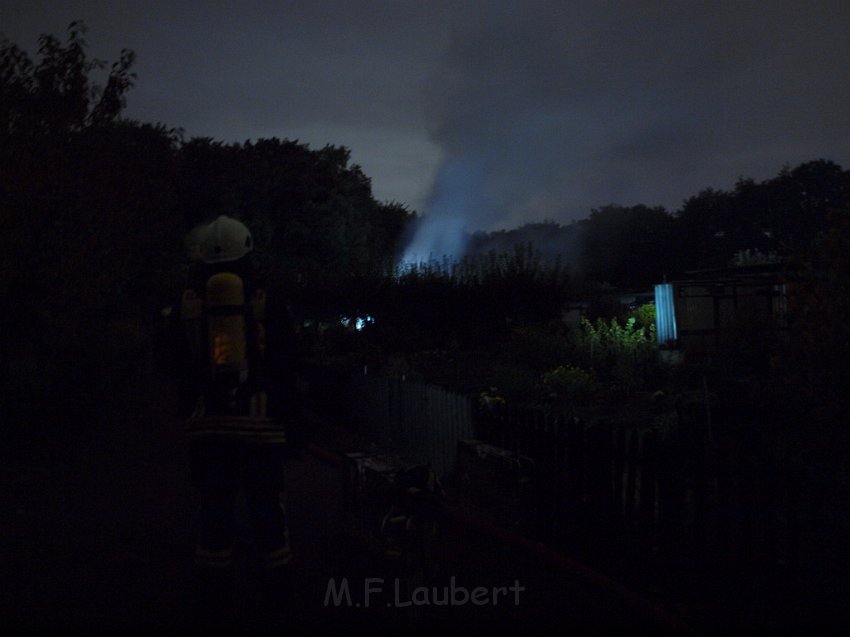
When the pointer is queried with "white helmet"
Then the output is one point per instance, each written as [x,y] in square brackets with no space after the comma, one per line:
[225,239]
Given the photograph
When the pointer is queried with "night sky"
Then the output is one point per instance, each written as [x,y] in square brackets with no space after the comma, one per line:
[492,112]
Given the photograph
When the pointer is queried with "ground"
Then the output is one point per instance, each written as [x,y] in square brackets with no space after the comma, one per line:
[97,526]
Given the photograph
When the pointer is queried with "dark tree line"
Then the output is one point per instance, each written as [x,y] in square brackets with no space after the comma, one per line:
[98,206]
[631,246]
[312,211]
[95,209]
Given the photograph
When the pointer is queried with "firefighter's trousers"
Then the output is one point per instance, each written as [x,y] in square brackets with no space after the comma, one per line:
[219,468]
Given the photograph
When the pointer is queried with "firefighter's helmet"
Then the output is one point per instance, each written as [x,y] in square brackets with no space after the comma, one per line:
[225,239]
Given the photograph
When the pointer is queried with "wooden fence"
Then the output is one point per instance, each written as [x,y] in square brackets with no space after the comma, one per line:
[422,422]
[729,494]
[725,493]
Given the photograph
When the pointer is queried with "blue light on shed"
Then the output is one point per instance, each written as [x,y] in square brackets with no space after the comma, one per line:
[665,314]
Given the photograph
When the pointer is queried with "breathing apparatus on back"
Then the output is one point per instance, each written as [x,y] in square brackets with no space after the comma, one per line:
[225,319]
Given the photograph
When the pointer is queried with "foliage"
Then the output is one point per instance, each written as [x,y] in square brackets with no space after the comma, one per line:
[95,210]
[815,359]
[602,339]
[444,306]
[644,316]
[637,246]
[86,203]
[627,246]
[570,384]
[540,346]
[85,198]
[312,211]
[490,399]
[513,385]
[621,354]
[55,96]
[787,214]
[555,243]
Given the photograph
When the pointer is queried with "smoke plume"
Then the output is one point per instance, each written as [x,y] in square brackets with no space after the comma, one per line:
[549,110]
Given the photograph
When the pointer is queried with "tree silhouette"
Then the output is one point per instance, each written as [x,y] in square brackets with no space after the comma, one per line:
[627,246]
[86,203]
[55,95]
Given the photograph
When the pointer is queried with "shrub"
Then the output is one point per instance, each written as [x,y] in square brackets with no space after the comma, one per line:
[622,354]
[569,384]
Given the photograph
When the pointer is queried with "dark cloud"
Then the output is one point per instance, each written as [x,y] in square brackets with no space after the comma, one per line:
[493,113]
[578,106]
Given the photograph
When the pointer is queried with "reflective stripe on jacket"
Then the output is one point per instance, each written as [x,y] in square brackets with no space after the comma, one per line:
[259,430]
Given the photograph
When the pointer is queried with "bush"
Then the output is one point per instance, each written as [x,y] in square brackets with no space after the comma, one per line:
[540,347]
[568,384]
[624,355]
[645,316]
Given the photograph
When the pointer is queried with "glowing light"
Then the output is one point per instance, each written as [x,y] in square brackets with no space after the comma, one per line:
[359,322]
[222,349]
[665,314]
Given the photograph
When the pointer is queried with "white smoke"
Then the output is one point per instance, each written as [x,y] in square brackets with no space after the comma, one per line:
[441,233]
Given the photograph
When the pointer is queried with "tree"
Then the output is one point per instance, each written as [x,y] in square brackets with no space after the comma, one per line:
[50,114]
[785,215]
[95,207]
[86,203]
[799,201]
[55,95]
[312,210]
[554,243]
[628,246]
[700,230]
[815,361]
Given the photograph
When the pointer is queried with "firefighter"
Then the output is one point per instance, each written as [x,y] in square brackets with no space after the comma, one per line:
[238,372]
